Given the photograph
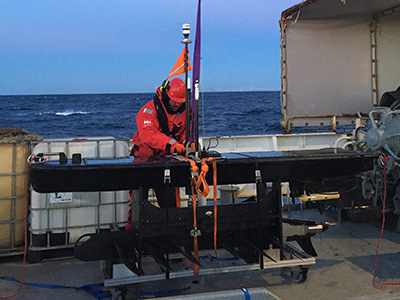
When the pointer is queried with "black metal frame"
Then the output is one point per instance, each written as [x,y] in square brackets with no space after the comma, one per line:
[233,168]
[244,229]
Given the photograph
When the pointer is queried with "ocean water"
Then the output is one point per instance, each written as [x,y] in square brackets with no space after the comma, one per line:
[220,113]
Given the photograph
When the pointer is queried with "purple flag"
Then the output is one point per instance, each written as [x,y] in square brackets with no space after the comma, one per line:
[196,72]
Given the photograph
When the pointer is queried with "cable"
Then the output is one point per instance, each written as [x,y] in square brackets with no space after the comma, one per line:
[214,164]
[194,171]
[246,294]
[21,283]
[385,159]
[209,143]
[195,229]
[93,289]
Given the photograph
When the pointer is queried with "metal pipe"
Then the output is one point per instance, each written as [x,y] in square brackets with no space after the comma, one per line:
[187,41]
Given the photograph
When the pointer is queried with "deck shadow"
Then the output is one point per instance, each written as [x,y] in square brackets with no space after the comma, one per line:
[387,269]
[324,263]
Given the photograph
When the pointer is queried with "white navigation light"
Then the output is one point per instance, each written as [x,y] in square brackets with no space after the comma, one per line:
[186,30]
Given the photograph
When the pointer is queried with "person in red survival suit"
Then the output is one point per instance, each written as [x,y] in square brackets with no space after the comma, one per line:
[161,130]
[161,122]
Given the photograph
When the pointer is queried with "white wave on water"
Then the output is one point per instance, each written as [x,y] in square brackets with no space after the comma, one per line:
[71,112]
[65,113]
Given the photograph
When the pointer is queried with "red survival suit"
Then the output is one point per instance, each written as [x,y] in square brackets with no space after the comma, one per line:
[159,132]
[153,137]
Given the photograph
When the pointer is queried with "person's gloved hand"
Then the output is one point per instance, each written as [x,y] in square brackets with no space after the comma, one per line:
[179,149]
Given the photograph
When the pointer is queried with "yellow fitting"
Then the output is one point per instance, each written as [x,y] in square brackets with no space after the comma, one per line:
[319,197]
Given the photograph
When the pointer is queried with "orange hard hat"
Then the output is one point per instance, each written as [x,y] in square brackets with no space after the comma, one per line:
[176,90]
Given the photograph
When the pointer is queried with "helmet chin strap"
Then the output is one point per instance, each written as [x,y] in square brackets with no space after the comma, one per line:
[164,85]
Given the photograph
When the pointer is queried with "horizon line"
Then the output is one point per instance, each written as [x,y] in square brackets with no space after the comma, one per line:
[128,93]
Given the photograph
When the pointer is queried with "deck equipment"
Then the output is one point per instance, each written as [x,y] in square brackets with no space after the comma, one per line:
[253,230]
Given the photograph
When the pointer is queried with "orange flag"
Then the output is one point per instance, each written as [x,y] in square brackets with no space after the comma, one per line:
[179,67]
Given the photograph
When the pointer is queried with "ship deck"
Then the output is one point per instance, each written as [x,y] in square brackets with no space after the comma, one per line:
[343,270]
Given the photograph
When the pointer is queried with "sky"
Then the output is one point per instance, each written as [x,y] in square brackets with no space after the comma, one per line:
[130,46]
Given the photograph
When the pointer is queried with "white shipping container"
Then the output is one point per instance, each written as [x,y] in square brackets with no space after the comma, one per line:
[70,215]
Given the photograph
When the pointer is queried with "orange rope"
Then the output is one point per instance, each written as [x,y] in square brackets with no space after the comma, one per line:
[200,186]
[201,182]
[27,182]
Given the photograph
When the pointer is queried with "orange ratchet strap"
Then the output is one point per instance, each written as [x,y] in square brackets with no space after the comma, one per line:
[200,186]
[177,197]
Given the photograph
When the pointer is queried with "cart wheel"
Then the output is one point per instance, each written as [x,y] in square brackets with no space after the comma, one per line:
[299,275]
